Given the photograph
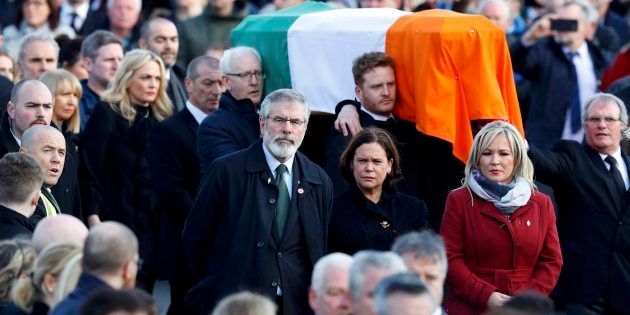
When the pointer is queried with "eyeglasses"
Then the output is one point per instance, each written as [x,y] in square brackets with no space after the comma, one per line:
[283,121]
[597,120]
[249,75]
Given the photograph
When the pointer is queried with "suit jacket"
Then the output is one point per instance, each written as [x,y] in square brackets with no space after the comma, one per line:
[549,72]
[233,127]
[487,251]
[227,236]
[66,191]
[87,285]
[593,223]
[175,173]
[176,82]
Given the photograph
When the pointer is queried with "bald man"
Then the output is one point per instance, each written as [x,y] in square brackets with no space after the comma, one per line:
[58,228]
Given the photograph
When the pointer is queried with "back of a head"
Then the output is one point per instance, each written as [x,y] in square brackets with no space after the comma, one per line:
[321,268]
[17,259]
[108,247]
[110,302]
[426,244]
[531,303]
[245,303]
[20,177]
[59,228]
[408,285]
[372,259]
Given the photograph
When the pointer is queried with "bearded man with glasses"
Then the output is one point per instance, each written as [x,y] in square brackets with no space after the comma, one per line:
[234,126]
[590,182]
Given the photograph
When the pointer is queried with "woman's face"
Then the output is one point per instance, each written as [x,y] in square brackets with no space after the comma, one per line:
[370,167]
[6,67]
[145,84]
[66,102]
[497,161]
[35,12]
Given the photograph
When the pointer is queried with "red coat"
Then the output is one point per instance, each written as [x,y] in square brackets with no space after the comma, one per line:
[488,252]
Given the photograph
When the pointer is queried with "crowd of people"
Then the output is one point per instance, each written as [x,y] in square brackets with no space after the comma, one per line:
[136,145]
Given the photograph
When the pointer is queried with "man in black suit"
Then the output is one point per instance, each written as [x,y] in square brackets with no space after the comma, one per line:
[260,220]
[175,173]
[160,36]
[590,182]
[31,104]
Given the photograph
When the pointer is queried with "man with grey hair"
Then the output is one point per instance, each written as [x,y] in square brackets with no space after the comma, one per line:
[122,18]
[235,125]
[403,294]
[590,182]
[368,269]
[552,61]
[497,11]
[110,261]
[329,293]
[38,53]
[102,53]
[425,255]
[260,220]
[20,180]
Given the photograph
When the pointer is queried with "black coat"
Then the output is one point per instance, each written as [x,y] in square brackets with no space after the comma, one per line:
[227,236]
[358,223]
[552,78]
[13,224]
[66,191]
[172,156]
[233,127]
[176,81]
[593,225]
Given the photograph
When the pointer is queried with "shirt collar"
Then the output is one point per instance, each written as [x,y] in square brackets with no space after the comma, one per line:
[376,117]
[616,155]
[18,141]
[196,112]
[82,10]
[273,163]
[582,50]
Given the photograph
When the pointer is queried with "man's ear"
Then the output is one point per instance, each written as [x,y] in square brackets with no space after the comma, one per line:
[226,81]
[358,93]
[312,298]
[35,199]
[87,64]
[11,110]
[22,150]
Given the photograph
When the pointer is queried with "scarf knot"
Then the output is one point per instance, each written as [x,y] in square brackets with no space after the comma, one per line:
[507,198]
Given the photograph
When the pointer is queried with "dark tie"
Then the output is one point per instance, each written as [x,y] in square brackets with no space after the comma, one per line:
[73,21]
[616,174]
[282,208]
[576,107]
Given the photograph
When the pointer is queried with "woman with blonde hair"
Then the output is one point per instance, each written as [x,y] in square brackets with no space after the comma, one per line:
[17,257]
[499,231]
[67,91]
[116,179]
[39,293]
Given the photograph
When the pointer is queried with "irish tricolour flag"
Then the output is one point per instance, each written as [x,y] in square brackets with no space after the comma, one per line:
[451,68]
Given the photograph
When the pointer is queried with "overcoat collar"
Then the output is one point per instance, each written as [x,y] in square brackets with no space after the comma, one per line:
[256,163]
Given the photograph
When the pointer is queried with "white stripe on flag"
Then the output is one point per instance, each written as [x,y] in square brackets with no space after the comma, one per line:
[323,45]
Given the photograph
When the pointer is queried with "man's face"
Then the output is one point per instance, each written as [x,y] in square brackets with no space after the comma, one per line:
[394,4]
[103,68]
[205,91]
[431,273]
[49,150]
[123,14]
[377,93]
[406,304]
[365,304]
[34,107]
[281,137]
[164,41]
[250,86]
[39,57]
[603,137]
[333,297]
[496,13]
[576,38]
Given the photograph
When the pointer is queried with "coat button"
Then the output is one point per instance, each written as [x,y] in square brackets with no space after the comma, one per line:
[279,254]
[274,284]
[272,201]
[260,244]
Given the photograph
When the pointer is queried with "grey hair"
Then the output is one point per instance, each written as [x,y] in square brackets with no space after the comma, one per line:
[610,98]
[233,54]
[202,61]
[589,13]
[503,3]
[372,259]
[96,40]
[284,95]
[145,30]
[36,37]
[322,266]
[108,247]
[399,283]
[110,3]
[426,244]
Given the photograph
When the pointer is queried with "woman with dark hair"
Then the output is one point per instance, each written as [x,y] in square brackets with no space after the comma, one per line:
[34,16]
[372,213]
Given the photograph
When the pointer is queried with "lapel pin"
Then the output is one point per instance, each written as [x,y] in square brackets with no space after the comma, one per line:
[528,223]
[385,224]
[268,180]
[300,190]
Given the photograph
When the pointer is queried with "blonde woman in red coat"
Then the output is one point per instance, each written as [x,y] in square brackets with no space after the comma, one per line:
[500,232]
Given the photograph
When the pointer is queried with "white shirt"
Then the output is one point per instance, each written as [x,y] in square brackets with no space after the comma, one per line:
[621,165]
[196,112]
[81,11]
[376,117]
[273,163]
[587,83]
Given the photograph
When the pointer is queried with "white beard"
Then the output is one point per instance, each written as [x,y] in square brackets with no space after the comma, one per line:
[280,149]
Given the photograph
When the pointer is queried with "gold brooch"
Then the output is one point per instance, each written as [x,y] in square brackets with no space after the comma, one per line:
[385,224]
